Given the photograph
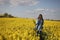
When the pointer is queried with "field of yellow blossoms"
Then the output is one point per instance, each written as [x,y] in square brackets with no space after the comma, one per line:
[23,29]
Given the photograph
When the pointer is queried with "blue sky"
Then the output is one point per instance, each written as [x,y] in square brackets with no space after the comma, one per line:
[31,8]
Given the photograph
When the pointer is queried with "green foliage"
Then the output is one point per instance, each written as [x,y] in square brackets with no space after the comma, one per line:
[6,15]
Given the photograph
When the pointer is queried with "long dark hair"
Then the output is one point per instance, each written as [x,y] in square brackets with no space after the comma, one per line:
[41,18]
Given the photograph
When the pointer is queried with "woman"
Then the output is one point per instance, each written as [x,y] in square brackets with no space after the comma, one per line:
[39,24]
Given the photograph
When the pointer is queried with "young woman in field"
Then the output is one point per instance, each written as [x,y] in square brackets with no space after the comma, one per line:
[39,24]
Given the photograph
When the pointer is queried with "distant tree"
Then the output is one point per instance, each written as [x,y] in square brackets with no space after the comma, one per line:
[6,14]
[11,16]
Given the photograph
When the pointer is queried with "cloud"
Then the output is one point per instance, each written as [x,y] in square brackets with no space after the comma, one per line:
[37,11]
[33,13]
[19,2]
[4,2]
[47,13]
[23,2]
[1,1]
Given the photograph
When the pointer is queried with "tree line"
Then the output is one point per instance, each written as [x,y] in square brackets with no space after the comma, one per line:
[6,15]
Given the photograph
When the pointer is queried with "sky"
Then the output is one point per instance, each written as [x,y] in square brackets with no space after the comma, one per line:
[50,9]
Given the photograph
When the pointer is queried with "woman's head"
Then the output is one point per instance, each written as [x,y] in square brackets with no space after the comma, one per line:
[40,17]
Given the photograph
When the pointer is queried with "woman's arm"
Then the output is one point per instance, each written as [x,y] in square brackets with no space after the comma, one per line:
[35,22]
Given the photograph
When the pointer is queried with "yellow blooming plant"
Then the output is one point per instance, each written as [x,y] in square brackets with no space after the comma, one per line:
[23,29]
